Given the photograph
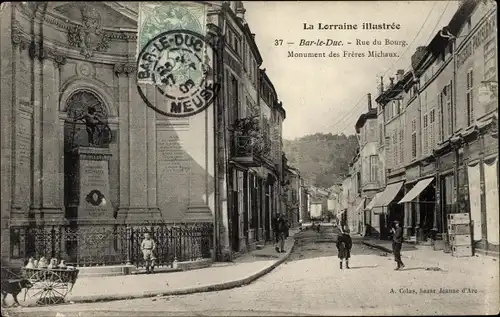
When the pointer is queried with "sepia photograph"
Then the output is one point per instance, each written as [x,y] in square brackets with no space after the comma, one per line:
[249,158]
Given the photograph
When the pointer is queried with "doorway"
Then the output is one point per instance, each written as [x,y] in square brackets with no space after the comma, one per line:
[235,232]
[267,212]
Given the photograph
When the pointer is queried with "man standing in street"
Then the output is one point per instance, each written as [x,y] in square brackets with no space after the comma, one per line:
[397,244]
[280,231]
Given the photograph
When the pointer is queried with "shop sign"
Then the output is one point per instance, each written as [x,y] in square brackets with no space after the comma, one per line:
[428,169]
[446,161]
[413,173]
[477,39]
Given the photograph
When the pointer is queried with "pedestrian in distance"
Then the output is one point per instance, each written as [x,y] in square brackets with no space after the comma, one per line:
[274,226]
[281,231]
[397,244]
[344,246]
[148,247]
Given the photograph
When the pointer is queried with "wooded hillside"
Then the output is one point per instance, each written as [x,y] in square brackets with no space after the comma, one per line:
[322,159]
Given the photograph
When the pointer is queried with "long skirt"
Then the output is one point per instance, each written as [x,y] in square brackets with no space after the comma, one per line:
[344,253]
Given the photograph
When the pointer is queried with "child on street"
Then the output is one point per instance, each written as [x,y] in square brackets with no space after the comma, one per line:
[148,247]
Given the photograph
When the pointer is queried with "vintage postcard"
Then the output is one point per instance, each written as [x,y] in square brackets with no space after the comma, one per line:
[249,158]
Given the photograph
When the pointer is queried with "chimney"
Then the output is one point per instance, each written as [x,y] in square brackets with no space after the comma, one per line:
[240,10]
[381,85]
[369,102]
[392,81]
[399,74]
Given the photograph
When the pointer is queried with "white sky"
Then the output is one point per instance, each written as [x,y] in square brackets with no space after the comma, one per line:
[318,93]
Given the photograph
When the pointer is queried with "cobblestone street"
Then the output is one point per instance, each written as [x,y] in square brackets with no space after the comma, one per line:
[311,283]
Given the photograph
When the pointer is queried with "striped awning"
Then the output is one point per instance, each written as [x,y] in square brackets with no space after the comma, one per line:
[373,201]
[390,192]
[416,190]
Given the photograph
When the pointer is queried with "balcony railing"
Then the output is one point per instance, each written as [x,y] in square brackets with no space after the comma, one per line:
[246,150]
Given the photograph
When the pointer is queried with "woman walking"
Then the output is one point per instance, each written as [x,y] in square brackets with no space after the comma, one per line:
[344,245]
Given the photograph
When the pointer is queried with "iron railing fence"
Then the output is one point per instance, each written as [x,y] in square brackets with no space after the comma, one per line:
[91,245]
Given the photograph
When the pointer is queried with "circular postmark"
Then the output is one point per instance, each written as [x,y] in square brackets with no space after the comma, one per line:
[177,63]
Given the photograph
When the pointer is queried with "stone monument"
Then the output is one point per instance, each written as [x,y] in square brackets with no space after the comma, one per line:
[91,172]
[90,211]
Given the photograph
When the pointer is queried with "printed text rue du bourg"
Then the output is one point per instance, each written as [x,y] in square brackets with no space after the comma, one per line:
[379,46]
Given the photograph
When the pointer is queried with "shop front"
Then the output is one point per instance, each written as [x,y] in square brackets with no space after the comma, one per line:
[391,211]
[481,158]
[360,204]
[446,190]
[377,216]
[420,201]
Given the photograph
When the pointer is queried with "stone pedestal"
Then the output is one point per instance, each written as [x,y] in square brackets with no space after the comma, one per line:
[91,188]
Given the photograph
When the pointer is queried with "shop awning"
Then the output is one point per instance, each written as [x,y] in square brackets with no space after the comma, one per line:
[388,194]
[373,201]
[416,190]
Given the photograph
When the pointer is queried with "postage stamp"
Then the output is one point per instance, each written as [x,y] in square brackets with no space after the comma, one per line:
[159,17]
[178,64]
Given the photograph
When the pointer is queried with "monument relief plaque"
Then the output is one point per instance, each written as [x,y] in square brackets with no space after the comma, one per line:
[94,185]
[174,168]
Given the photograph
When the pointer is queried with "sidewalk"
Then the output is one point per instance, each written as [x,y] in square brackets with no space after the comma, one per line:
[426,256]
[219,276]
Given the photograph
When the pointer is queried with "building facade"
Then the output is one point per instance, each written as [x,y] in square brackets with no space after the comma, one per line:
[441,132]
[368,174]
[65,57]
[292,196]
[353,214]
[335,201]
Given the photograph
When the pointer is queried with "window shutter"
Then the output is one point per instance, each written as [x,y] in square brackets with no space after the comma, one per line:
[453,114]
[401,145]
[471,94]
[426,134]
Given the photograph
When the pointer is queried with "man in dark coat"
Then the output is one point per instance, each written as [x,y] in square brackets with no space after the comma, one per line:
[280,232]
[397,244]
[274,225]
[344,246]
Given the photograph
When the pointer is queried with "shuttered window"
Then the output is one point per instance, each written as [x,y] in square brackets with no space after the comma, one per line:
[401,145]
[414,138]
[469,97]
[425,134]
[441,116]
[449,109]
[432,130]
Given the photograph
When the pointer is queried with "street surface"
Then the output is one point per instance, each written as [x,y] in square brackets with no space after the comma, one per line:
[311,283]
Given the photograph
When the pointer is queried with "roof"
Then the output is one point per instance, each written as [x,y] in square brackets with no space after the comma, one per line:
[371,114]
[246,30]
[438,44]
[394,90]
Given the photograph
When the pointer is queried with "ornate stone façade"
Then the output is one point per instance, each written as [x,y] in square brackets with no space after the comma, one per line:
[62,57]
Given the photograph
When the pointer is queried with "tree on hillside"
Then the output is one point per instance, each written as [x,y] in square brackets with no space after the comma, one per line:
[321,158]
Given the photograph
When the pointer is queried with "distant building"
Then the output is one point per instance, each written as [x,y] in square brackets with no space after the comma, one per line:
[334,204]
[292,195]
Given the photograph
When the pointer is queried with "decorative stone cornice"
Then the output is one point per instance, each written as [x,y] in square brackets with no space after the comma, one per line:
[69,25]
[17,36]
[41,52]
[124,69]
